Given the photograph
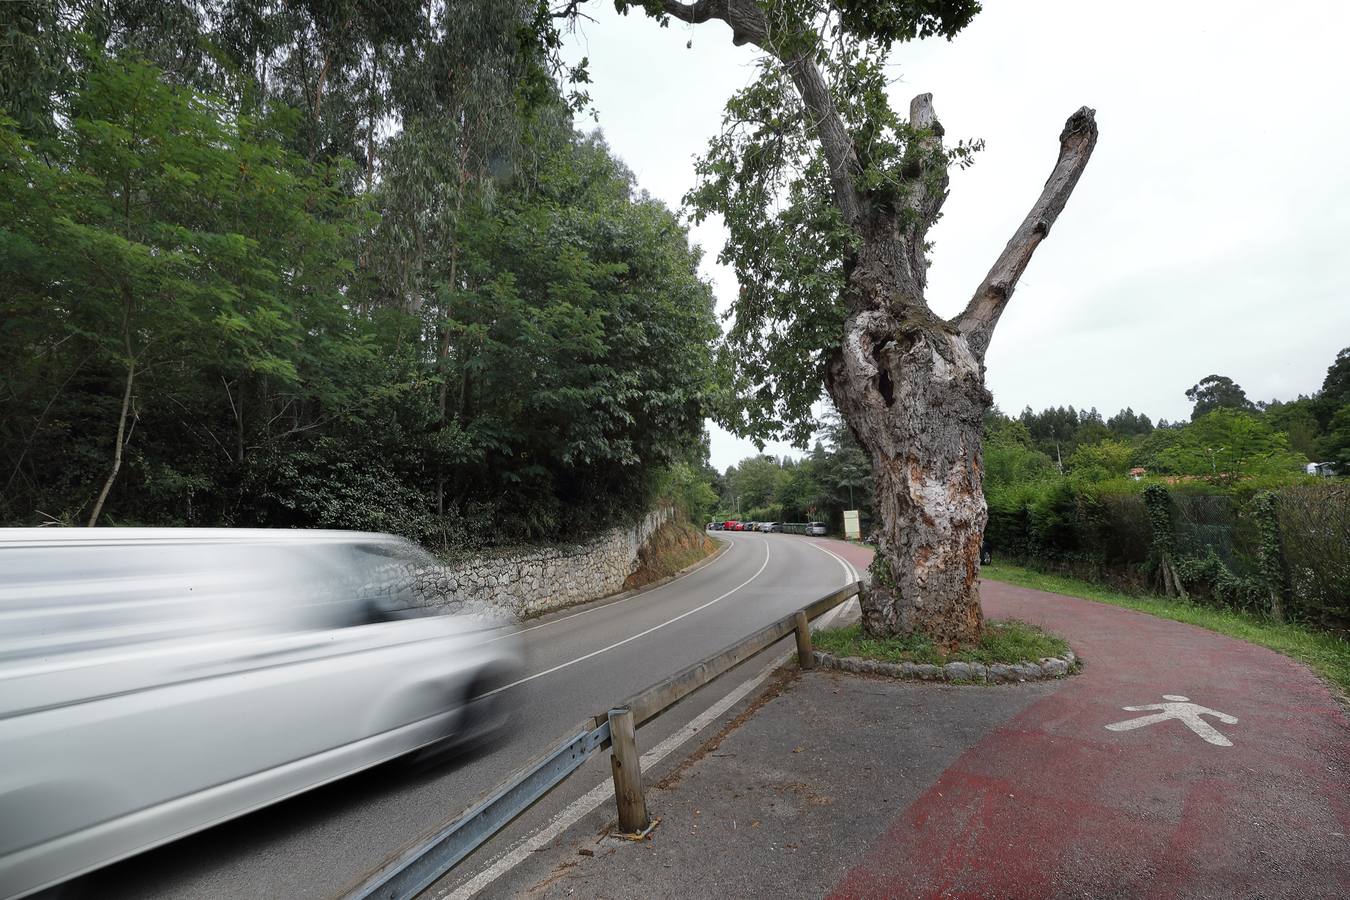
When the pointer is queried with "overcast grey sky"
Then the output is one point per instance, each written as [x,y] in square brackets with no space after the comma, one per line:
[1208,234]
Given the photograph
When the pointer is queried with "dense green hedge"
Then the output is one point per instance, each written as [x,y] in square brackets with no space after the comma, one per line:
[1283,551]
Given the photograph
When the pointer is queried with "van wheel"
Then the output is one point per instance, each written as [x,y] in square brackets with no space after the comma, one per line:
[486,717]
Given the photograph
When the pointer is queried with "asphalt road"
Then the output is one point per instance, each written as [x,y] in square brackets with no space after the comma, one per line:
[579,662]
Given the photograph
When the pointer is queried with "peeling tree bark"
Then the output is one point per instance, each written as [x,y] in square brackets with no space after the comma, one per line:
[913,393]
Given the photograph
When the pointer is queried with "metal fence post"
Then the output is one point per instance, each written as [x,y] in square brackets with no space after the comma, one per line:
[805,658]
[626,763]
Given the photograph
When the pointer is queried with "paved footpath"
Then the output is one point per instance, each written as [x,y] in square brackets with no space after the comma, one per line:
[1232,780]
[1052,802]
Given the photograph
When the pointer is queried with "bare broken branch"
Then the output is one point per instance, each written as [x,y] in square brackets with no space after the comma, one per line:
[694,13]
[928,182]
[749,25]
[834,138]
[982,313]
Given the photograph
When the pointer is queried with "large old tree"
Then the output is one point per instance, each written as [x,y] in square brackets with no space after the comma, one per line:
[829,195]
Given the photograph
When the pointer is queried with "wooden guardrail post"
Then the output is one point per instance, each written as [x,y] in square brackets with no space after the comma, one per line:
[805,658]
[626,763]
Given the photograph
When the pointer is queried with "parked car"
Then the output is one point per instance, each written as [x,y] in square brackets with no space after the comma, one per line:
[768,527]
[815,528]
[154,682]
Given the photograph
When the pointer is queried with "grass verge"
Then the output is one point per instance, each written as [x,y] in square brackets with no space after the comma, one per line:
[1004,641]
[1327,654]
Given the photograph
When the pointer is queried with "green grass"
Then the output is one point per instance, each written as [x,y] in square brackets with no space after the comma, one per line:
[1004,641]
[1327,654]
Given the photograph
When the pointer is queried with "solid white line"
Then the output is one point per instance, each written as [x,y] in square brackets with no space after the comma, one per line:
[850,573]
[585,804]
[573,662]
[731,545]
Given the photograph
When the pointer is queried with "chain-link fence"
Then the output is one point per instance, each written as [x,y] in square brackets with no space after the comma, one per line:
[1315,543]
[1295,562]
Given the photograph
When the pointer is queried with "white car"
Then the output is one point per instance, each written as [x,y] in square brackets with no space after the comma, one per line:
[816,528]
[155,682]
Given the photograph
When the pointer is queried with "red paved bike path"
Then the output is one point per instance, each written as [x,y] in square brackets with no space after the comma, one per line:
[1053,804]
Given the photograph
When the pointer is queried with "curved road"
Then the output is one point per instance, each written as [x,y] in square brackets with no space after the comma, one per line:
[578,662]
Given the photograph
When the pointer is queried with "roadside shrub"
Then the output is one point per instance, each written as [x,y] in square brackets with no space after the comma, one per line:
[1314,526]
[1282,552]
[1123,535]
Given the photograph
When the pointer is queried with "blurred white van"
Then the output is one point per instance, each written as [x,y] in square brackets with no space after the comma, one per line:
[154,682]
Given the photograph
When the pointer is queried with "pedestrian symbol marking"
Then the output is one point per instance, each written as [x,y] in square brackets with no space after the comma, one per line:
[1183,710]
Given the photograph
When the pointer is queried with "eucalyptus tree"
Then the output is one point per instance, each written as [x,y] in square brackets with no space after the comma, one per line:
[829,195]
[1217,392]
[462,100]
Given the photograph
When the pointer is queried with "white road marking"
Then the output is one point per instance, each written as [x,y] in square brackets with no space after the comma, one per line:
[1184,711]
[585,804]
[731,545]
[631,638]
[850,573]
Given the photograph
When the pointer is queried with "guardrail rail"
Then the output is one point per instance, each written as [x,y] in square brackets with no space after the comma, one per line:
[421,865]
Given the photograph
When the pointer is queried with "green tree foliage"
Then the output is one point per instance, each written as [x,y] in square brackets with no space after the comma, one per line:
[844,473]
[1334,445]
[801,496]
[243,287]
[1336,386]
[756,481]
[833,478]
[1298,420]
[1105,459]
[1329,408]
[1227,445]
[159,251]
[766,175]
[1010,455]
[1128,424]
[691,490]
[1216,392]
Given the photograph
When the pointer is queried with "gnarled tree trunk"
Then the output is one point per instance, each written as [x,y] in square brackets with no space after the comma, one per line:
[914,396]
[910,385]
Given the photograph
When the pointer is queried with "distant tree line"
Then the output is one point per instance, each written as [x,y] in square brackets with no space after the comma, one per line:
[833,477]
[1228,439]
[342,264]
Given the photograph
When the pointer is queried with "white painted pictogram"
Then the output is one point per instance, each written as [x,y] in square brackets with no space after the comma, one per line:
[1183,710]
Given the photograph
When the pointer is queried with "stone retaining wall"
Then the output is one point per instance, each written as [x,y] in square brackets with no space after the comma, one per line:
[522,585]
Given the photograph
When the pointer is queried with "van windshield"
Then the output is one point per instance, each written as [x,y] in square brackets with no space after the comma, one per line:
[90,596]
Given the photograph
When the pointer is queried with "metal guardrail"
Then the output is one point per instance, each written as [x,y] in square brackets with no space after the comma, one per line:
[420,866]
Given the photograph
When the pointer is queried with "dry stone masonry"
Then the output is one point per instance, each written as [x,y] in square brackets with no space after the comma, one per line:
[960,672]
[527,584]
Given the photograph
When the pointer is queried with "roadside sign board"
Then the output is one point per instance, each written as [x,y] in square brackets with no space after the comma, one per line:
[852,527]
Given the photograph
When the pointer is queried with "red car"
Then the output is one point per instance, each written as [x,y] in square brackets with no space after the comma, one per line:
[731,525]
